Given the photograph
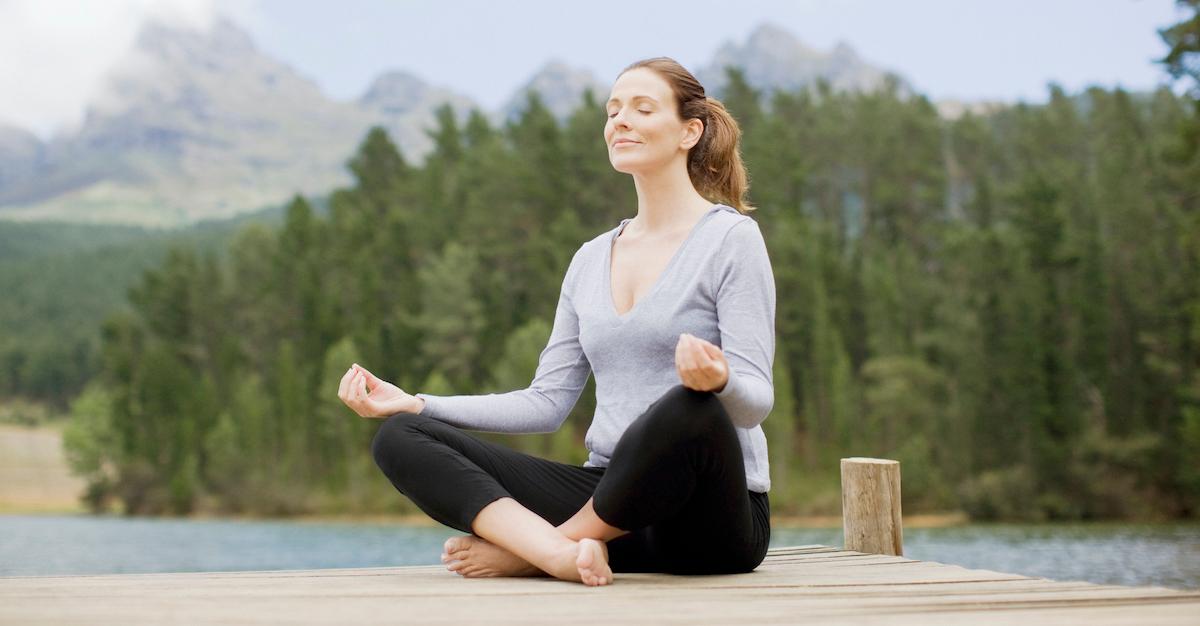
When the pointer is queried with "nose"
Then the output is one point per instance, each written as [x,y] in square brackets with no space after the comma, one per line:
[619,120]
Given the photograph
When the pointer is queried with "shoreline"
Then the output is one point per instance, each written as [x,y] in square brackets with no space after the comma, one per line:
[947,519]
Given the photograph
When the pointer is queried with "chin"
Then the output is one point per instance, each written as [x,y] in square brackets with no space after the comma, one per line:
[630,166]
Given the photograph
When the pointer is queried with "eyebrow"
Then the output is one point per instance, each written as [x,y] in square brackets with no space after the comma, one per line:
[612,100]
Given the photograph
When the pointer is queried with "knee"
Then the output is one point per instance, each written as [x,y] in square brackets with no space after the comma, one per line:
[396,433]
[686,396]
[683,411]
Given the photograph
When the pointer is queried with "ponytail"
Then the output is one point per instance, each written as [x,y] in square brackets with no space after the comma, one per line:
[715,162]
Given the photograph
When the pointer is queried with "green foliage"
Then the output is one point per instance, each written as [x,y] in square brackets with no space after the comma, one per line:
[1009,305]
[521,352]
[89,441]
[60,281]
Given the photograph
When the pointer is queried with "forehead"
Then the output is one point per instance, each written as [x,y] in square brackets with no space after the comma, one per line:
[641,82]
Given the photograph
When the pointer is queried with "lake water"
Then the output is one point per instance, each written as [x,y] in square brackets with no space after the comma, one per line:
[35,545]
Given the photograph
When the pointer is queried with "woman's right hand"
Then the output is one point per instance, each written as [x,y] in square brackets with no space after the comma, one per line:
[371,397]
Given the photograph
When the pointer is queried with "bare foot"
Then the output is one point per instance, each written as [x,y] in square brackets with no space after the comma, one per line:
[592,563]
[472,557]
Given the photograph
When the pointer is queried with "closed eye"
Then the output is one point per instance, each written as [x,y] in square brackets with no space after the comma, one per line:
[612,115]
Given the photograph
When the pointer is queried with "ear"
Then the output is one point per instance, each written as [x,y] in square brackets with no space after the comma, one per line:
[693,129]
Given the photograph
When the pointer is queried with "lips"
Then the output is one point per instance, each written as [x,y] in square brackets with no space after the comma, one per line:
[621,142]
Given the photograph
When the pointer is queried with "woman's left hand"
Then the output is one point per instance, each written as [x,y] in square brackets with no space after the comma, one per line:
[701,365]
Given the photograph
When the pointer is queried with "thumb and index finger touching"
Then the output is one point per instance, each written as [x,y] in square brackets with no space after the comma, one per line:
[372,381]
[709,349]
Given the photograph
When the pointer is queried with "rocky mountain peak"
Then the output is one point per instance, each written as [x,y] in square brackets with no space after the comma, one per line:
[395,92]
[773,58]
[560,86]
[220,40]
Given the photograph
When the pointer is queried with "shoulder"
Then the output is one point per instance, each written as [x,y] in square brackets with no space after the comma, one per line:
[591,252]
[593,249]
[737,231]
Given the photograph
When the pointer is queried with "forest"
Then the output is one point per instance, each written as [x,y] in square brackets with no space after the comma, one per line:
[1007,303]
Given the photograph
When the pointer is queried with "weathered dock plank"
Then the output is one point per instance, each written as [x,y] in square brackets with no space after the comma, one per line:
[810,584]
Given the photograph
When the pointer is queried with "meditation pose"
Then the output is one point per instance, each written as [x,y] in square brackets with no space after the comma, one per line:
[673,312]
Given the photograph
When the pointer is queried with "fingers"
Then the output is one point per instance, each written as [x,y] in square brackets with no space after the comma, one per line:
[688,367]
[372,380]
[344,385]
[680,364]
[701,364]
[349,390]
[693,355]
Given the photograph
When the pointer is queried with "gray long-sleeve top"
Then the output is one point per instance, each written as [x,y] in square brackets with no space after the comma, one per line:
[718,286]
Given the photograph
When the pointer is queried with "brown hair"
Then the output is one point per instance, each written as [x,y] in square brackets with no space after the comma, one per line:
[715,162]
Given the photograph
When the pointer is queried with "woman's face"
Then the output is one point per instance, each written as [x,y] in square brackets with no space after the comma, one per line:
[644,132]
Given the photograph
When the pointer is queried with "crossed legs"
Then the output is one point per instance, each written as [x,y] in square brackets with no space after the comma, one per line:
[676,480]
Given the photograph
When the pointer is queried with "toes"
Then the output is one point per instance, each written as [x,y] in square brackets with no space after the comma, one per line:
[457,544]
[455,549]
[453,544]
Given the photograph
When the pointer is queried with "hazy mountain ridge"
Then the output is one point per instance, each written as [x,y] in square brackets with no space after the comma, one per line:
[198,125]
[560,88]
[21,152]
[403,103]
[773,58]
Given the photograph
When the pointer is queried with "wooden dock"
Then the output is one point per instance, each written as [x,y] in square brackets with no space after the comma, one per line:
[805,584]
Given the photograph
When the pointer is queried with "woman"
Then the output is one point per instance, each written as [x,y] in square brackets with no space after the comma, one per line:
[673,311]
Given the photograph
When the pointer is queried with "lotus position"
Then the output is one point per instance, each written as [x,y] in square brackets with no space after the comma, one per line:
[673,312]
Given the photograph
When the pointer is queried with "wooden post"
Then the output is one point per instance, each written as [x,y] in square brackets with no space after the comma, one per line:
[871,506]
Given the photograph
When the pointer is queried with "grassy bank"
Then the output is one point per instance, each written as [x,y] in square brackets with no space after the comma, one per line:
[34,476]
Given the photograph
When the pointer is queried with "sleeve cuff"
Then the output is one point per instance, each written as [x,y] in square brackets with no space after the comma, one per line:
[730,386]
[427,410]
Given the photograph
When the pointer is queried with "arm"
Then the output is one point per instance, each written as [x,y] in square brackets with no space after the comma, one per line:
[561,375]
[745,291]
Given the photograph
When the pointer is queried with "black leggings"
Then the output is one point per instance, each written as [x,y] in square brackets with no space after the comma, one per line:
[676,481]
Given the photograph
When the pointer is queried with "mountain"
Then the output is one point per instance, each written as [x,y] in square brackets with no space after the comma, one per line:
[203,125]
[21,153]
[192,125]
[561,89]
[774,59]
[198,125]
[404,104]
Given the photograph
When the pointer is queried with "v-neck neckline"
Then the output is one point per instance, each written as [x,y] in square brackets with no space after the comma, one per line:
[612,305]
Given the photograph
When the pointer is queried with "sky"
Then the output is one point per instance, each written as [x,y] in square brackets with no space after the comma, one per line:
[54,54]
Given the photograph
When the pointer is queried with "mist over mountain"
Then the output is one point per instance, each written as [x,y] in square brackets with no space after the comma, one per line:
[773,58]
[560,88]
[21,152]
[403,103]
[196,125]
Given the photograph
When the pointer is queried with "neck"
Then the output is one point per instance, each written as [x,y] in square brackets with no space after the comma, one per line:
[667,200]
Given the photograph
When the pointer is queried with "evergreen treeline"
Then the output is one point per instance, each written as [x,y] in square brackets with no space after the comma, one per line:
[59,282]
[1009,305]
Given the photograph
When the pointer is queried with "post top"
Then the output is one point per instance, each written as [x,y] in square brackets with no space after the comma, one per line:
[863,459]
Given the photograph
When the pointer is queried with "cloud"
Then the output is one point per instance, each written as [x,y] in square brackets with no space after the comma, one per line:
[54,54]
